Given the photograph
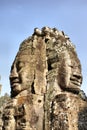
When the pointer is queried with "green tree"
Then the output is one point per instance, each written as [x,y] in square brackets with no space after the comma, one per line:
[4,99]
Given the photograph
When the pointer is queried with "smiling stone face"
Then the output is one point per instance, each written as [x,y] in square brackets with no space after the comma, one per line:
[21,76]
[28,71]
[70,77]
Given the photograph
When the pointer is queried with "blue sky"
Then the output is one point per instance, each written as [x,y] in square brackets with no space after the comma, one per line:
[18,18]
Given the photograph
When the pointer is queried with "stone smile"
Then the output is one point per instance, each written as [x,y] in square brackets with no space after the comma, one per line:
[75,80]
[14,82]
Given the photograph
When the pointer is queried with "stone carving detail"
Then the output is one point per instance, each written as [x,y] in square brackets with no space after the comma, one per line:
[45,83]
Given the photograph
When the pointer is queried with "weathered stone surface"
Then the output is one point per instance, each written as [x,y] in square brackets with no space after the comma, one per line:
[45,83]
[69,112]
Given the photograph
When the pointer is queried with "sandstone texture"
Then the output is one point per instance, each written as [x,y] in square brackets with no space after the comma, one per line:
[45,81]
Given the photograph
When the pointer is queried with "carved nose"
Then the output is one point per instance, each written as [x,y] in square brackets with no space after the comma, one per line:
[13,74]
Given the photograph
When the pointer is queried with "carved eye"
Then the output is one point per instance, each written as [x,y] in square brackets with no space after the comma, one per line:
[71,66]
[20,65]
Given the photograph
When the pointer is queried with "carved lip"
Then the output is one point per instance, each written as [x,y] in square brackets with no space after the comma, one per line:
[14,82]
[75,81]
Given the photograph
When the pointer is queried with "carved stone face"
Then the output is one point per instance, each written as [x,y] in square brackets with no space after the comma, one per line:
[21,76]
[70,76]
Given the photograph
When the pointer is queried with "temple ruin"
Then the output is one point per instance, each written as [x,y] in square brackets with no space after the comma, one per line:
[45,81]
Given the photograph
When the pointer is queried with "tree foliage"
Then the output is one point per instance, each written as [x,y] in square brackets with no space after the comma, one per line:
[4,99]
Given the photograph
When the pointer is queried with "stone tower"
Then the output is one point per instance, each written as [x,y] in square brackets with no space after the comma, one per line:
[45,83]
